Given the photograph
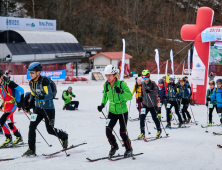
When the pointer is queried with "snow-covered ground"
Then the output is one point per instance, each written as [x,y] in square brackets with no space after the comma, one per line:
[189,148]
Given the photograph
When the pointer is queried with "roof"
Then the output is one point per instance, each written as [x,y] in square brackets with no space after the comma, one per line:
[46,36]
[112,55]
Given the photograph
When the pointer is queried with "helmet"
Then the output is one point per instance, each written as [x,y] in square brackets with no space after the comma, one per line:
[212,83]
[35,66]
[111,69]
[70,88]
[1,72]
[139,79]
[161,81]
[219,81]
[184,79]
[145,72]
[164,77]
[171,79]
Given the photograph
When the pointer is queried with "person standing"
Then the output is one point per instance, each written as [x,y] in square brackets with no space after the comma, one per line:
[117,92]
[211,76]
[138,89]
[42,95]
[12,97]
[67,97]
[212,104]
[149,98]
[168,77]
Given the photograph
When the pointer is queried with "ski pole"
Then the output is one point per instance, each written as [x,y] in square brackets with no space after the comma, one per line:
[174,116]
[156,113]
[207,116]
[37,129]
[147,128]
[53,128]
[126,129]
[193,115]
[129,106]
[114,131]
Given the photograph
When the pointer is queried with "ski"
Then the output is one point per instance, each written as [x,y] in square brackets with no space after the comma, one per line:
[71,147]
[15,146]
[122,157]
[217,133]
[219,146]
[210,126]
[150,140]
[191,123]
[143,138]
[177,127]
[102,158]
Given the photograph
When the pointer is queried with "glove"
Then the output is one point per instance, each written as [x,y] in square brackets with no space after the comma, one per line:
[207,104]
[40,97]
[100,108]
[19,105]
[148,91]
[141,99]
[74,96]
[27,109]
[208,99]
[119,90]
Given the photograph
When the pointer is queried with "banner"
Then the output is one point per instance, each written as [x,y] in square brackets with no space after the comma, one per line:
[212,34]
[11,23]
[157,59]
[59,74]
[171,57]
[188,62]
[123,61]
[198,71]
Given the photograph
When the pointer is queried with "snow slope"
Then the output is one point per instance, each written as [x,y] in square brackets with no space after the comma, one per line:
[189,148]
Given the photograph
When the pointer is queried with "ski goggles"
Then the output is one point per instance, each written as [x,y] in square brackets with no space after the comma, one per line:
[145,77]
[32,72]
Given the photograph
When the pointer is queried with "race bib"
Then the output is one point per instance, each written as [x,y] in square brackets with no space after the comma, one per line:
[143,111]
[181,106]
[137,105]
[160,104]
[211,106]
[168,105]
[33,117]
[107,122]
[219,114]
[8,120]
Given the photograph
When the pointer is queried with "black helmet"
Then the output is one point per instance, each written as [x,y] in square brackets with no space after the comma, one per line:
[171,79]
[161,81]
[36,66]
[184,79]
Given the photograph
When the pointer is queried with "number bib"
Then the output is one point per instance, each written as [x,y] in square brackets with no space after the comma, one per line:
[143,111]
[137,105]
[160,104]
[181,106]
[107,122]
[8,120]
[211,106]
[168,105]
[33,117]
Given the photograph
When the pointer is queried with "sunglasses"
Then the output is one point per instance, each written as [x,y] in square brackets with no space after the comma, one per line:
[32,72]
[145,78]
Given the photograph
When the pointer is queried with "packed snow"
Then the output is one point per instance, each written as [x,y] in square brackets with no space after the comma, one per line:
[188,148]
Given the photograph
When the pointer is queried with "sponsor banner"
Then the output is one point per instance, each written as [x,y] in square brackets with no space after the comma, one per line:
[11,23]
[59,74]
[198,70]
[212,34]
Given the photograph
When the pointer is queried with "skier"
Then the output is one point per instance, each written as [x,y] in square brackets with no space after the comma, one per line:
[173,95]
[12,97]
[185,96]
[138,90]
[217,94]
[67,97]
[149,98]
[41,92]
[213,104]
[117,92]
[161,97]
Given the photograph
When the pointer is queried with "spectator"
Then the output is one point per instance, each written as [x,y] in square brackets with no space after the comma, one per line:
[211,76]
[168,77]
[67,97]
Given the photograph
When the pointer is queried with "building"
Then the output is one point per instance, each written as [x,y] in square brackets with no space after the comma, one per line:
[101,60]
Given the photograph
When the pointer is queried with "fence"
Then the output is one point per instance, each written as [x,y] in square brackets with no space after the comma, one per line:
[178,68]
[19,71]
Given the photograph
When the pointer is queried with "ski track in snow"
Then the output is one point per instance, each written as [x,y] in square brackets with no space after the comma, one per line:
[189,148]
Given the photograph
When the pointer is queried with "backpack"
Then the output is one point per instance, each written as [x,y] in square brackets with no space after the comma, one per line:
[52,85]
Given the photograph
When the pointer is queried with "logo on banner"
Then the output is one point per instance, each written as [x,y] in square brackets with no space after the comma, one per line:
[45,24]
[13,22]
[198,65]
[30,25]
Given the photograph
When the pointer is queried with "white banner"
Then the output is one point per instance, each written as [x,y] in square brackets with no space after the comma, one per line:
[212,34]
[188,62]
[11,23]
[123,61]
[198,71]
[172,64]
[157,59]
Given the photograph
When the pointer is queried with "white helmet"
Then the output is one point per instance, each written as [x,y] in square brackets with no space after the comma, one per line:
[139,79]
[111,69]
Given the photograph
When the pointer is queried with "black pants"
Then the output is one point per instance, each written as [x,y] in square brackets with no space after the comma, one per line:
[49,125]
[143,117]
[109,128]
[70,107]
[159,108]
[175,105]
[185,112]
[211,113]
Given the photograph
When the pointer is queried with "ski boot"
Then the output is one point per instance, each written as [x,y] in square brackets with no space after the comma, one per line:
[171,116]
[141,136]
[185,121]
[8,141]
[159,131]
[209,124]
[113,150]
[29,152]
[128,153]
[168,126]
[188,120]
[19,140]
[159,116]
[64,108]
[180,124]
[65,142]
